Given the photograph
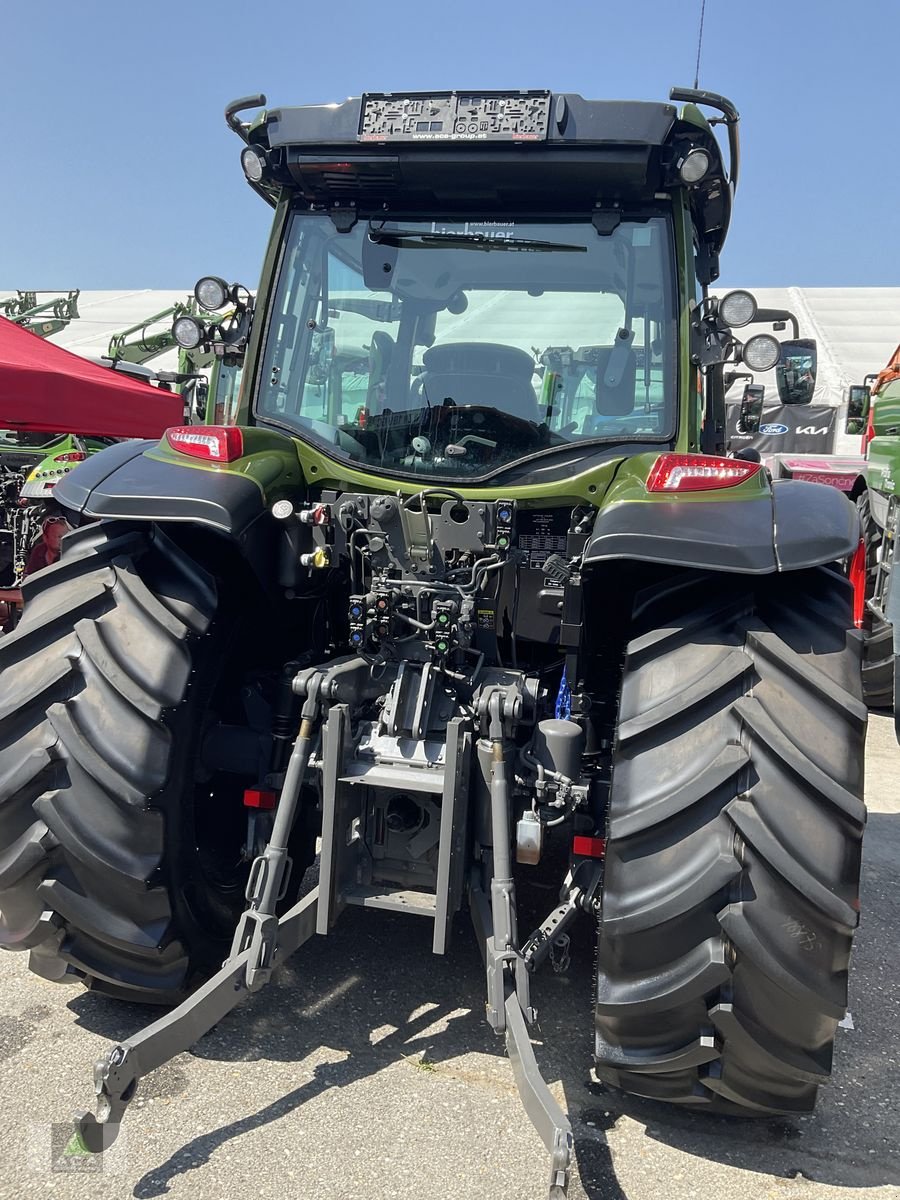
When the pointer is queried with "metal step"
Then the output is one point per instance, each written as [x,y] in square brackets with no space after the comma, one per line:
[394,777]
[392,899]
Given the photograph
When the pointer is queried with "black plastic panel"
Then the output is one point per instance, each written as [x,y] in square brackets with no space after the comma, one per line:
[131,486]
[803,525]
[714,535]
[455,116]
[572,120]
[814,524]
[74,490]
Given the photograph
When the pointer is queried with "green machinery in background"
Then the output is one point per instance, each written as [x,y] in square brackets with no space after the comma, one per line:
[43,317]
[141,343]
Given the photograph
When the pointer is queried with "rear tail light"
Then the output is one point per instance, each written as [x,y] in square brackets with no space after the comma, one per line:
[857,575]
[257,798]
[70,456]
[215,443]
[589,847]
[698,472]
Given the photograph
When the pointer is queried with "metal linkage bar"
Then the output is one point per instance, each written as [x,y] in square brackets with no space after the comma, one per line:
[258,926]
[509,1002]
[117,1075]
[259,939]
[543,1111]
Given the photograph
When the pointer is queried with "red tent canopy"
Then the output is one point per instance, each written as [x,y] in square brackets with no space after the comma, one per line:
[46,389]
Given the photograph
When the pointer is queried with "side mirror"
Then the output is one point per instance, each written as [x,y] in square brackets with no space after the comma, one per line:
[730,378]
[751,408]
[857,408]
[795,375]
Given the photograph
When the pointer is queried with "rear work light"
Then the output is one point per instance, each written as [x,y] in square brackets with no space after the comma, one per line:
[215,443]
[698,473]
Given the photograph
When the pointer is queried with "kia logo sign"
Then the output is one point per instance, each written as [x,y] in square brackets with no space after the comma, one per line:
[773,430]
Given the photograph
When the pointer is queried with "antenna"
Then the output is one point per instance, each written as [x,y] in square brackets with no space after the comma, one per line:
[699,44]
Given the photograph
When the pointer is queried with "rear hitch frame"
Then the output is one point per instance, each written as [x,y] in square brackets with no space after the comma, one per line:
[263,941]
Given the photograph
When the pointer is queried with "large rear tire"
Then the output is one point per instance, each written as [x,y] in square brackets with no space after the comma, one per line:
[734,834]
[119,853]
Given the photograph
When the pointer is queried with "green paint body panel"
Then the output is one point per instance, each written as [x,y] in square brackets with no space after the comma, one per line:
[270,461]
[62,444]
[277,462]
[883,454]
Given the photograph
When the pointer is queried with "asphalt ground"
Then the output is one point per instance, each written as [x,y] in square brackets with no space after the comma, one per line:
[366,1070]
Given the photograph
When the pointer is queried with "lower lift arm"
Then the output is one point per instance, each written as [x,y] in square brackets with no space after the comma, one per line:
[260,937]
[117,1075]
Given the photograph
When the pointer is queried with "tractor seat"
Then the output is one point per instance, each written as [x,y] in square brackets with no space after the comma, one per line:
[480,373]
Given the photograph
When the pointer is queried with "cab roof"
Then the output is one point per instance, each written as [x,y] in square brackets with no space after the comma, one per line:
[473,152]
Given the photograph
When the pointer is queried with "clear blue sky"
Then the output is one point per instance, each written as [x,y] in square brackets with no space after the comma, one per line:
[119,171]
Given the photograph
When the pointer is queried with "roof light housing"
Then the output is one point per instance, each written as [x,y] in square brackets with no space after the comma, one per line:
[737,308]
[694,166]
[213,443]
[762,352]
[188,332]
[212,293]
[255,163]
[698,473]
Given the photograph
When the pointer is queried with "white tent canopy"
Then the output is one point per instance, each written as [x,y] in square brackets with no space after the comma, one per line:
[103,314]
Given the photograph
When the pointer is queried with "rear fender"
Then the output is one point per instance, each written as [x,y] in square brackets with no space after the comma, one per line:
[148,481]
[794,526]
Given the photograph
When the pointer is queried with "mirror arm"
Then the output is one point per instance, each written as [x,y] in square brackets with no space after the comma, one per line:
[730,378]
[731,119]
[764,315]
[240,105]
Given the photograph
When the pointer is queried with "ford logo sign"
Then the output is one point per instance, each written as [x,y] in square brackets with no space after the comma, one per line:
[772,430]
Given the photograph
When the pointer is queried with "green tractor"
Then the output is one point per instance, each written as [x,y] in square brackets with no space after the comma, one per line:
[471,592]
[873,410]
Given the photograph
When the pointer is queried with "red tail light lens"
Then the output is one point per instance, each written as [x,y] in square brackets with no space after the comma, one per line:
[698,472]
[589,847]
[857,576]
[215,443]
[70,456]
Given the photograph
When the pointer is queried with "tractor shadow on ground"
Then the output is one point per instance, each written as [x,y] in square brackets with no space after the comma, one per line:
[376,973]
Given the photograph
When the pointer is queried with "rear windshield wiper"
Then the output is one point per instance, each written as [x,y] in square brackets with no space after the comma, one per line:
[415,239]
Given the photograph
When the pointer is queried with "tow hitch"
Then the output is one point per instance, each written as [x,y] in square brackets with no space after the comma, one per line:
[262,941]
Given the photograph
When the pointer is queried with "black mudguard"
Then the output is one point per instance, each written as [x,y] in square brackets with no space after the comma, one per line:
[123,482]
[799,525]
[129,482]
